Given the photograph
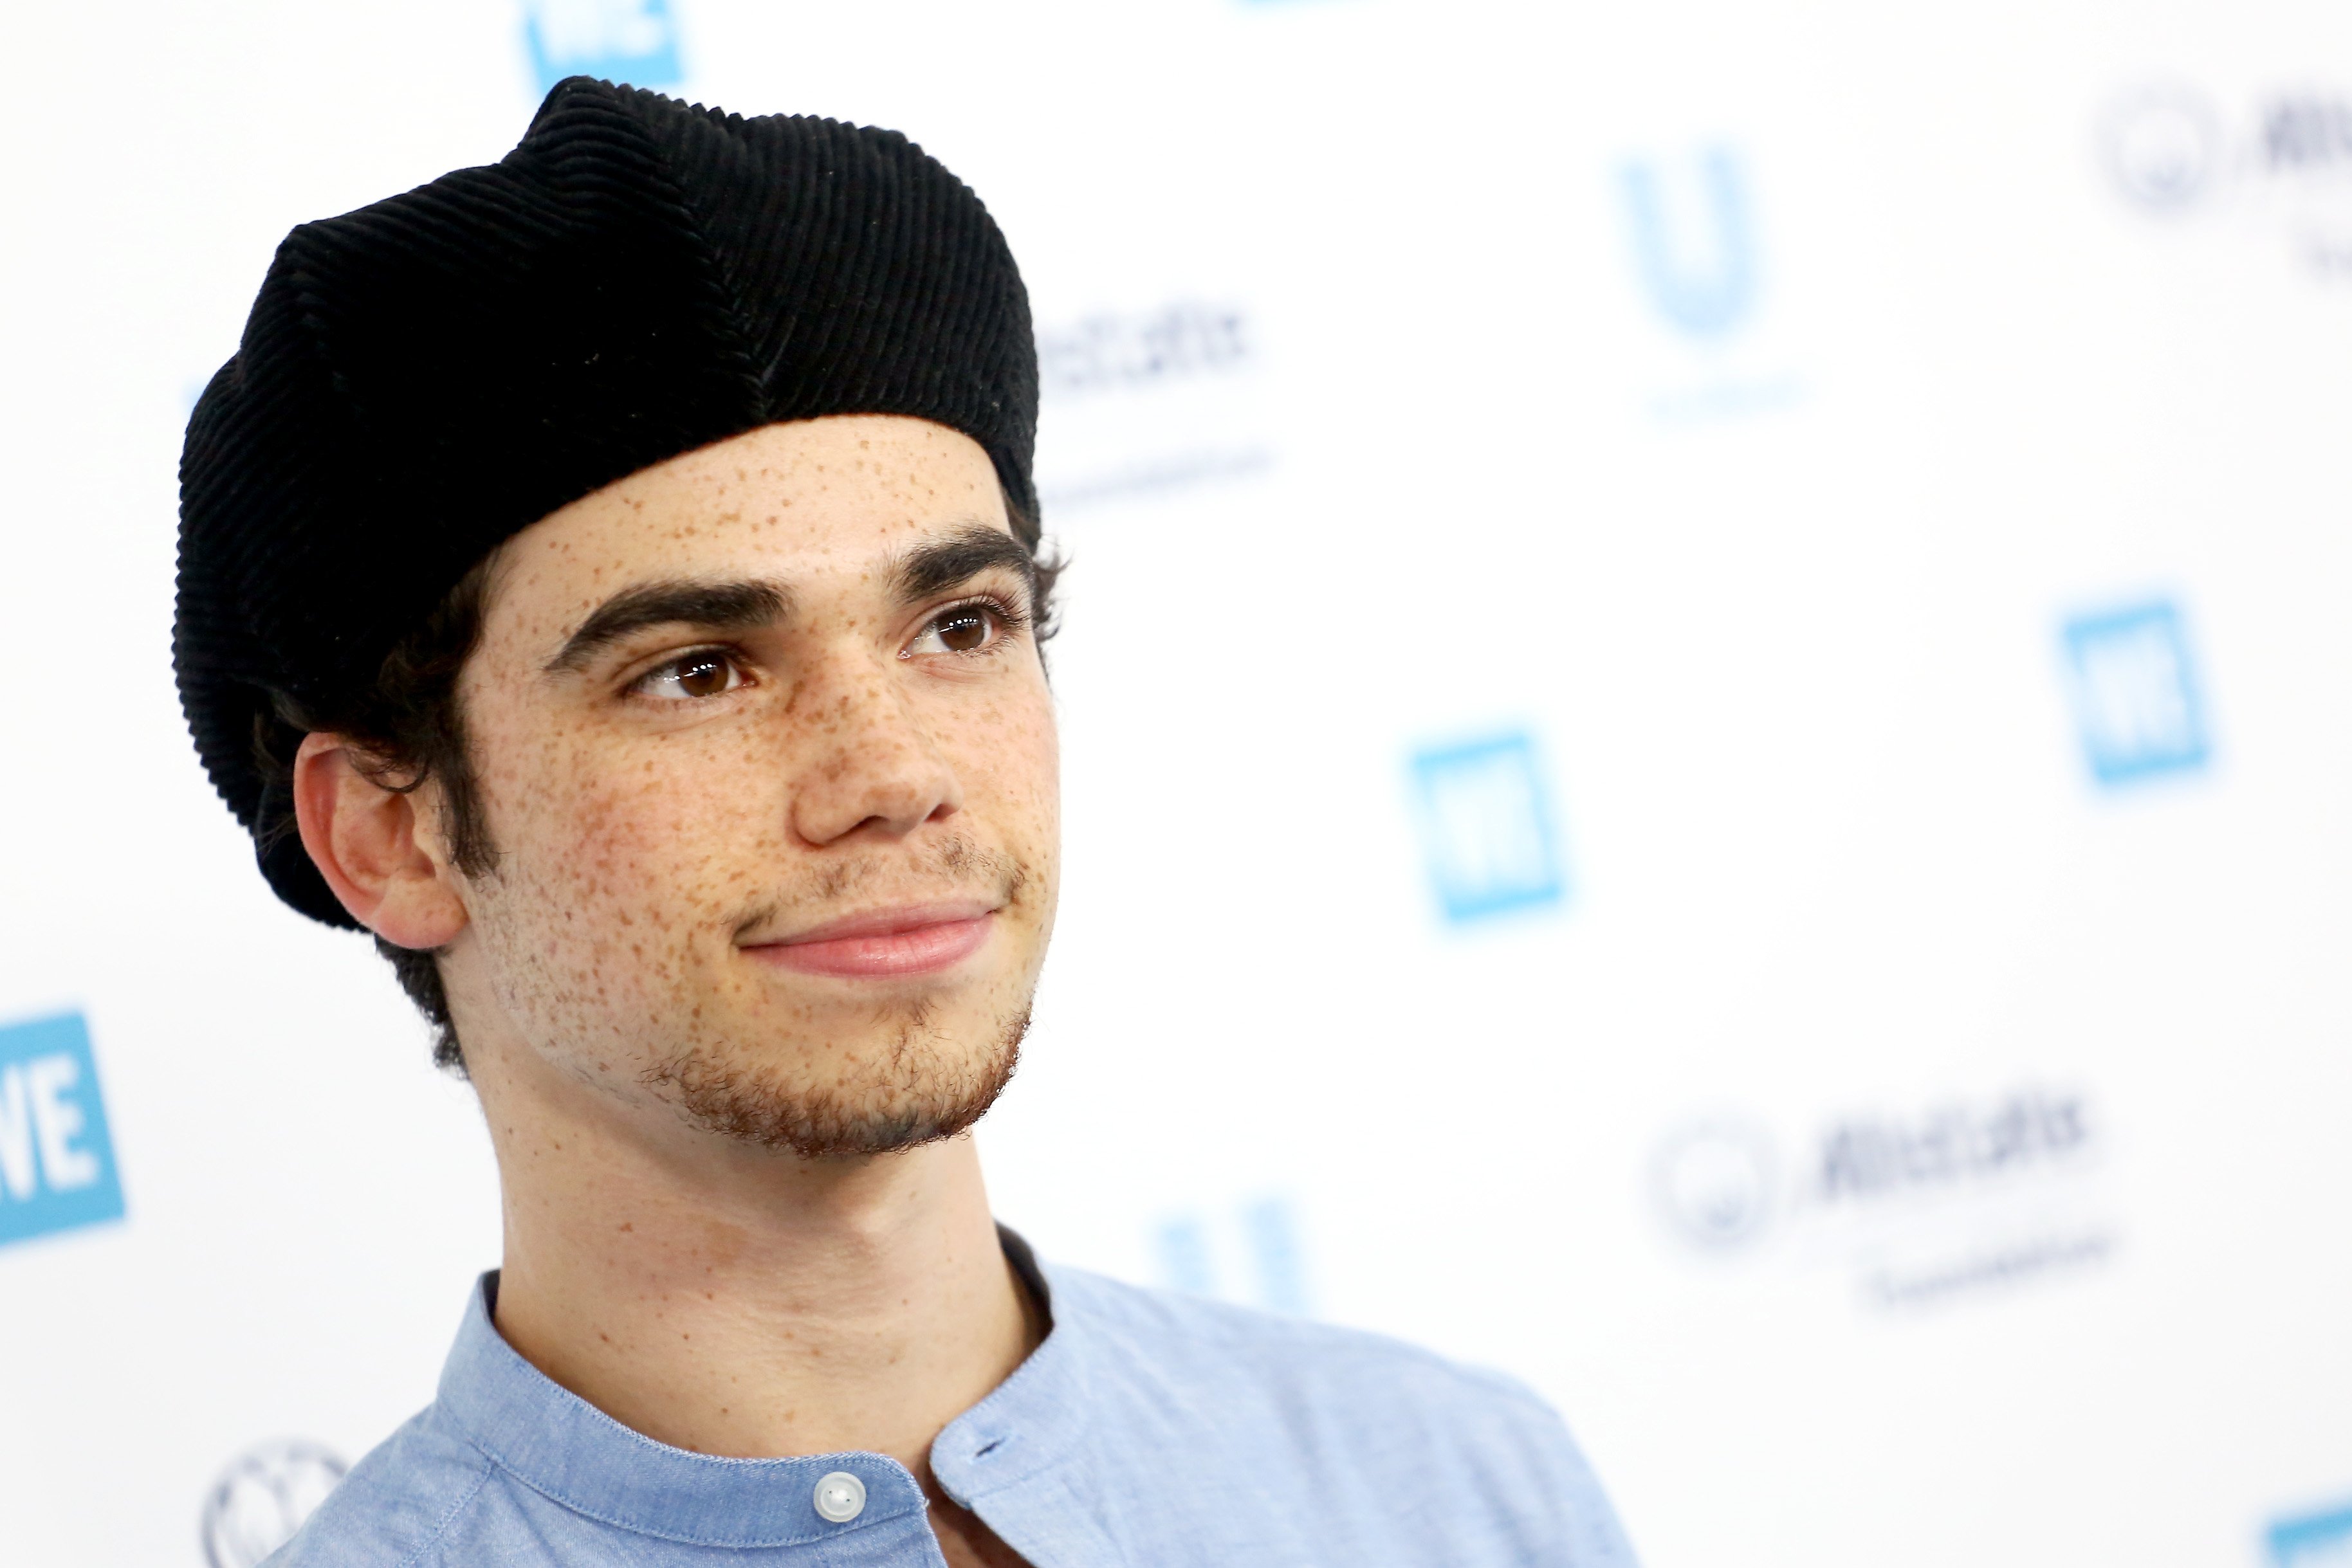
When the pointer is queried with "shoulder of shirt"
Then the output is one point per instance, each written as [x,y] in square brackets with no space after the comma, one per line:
[1360,1419]
[1357,1365]
[396,1504]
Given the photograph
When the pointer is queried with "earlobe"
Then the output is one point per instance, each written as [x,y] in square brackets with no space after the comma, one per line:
[374,849]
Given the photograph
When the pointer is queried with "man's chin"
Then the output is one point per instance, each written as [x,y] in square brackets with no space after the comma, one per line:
[915,1094]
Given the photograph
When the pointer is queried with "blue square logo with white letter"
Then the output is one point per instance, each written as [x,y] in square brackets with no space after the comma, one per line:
[632,41]
[2312,1541]
[57,1157]
[1487,827]
[2135,694]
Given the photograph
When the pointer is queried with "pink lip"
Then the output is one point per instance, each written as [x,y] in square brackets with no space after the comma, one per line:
[919,939]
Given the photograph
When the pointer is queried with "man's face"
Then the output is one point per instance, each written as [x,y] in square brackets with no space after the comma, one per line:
[767,760]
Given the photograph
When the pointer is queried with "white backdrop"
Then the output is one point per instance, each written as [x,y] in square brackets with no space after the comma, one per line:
[1704,703]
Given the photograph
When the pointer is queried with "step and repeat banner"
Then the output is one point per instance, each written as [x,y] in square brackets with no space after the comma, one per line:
[1707,696]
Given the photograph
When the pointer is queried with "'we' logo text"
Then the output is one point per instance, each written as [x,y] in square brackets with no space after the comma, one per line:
[57,1157]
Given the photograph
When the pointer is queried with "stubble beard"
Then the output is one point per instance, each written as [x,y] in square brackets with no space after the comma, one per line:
[903,1081]
[925,1084]
[919,1089]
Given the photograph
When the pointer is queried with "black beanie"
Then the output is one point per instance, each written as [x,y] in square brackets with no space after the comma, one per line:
[424,377]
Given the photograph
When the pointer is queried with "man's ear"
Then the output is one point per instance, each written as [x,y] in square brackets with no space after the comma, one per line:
[381,859]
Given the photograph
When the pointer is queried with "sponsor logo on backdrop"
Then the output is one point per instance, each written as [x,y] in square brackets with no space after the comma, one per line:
[1105,353]
[57,1156]
[1485,815]
[2162,146]
[1915,1208]
[1690,225]
[1700,272]
[2321,1539]
[2281,164]
[632,41]
[1249,1255]
[262,1499]
[2133,685]
[1717,1182]
[1144,401]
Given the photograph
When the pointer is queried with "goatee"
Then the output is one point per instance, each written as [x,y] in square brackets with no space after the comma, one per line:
[921,1090]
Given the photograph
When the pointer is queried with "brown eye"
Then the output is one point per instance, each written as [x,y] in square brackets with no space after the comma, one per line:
[708,674]
[962,631]
[979,626]
[975,628]
[703,675]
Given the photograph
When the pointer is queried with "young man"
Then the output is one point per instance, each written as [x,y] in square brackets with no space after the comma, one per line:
[612,578]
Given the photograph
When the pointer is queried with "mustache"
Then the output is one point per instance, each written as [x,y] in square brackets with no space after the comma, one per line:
[955,865]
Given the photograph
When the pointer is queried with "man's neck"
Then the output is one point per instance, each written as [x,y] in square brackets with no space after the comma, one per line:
[742,1303]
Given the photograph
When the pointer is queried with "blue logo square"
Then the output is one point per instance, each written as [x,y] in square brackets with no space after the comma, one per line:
[632,41]
[2312,1541]
[57,1157]
[1487,828]
[2134,692]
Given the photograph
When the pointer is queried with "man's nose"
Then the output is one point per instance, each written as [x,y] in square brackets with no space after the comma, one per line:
[873,765]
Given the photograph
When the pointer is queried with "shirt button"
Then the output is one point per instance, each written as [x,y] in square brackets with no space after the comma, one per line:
[840,1497]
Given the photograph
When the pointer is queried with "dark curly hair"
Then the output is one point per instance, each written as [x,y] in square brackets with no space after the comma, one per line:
[411,728]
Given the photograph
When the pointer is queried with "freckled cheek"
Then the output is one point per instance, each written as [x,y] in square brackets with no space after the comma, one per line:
[682,822]
[1008,756]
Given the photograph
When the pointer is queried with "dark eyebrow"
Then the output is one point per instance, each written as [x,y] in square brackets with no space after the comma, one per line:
[711,606]
[956,559]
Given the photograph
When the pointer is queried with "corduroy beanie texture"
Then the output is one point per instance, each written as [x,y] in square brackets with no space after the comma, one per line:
[424,377]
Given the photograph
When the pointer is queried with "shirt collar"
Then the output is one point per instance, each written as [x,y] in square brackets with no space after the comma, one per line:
[1029,1422]
[557,1444]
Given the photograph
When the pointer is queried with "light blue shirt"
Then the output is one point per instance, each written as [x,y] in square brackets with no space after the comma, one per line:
[1148,1430]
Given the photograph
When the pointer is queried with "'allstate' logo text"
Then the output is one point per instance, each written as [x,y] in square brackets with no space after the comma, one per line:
[1487,828]
[2280,163]
[1697,258]
[1966,1196]
[633,41]
[1105,351]
[57,1159]
[2134,693]
[1865,1159]
[1149,401]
